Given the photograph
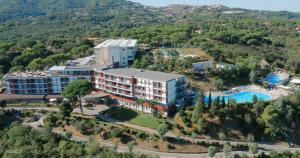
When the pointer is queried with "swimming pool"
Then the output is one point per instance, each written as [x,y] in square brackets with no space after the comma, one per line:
[273,79]
[243,97]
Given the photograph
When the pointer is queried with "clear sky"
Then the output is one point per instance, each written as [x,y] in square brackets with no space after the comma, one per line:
[274,5]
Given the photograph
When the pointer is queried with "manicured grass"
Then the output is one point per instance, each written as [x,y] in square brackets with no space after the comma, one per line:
[134,117]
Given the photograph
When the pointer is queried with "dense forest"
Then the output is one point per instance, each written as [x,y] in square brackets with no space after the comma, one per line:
[38,34]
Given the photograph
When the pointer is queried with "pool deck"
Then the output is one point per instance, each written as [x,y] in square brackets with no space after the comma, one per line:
[274,93]
[283,77]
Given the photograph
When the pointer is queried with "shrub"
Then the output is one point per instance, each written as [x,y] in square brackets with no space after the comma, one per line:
[185,119]
[98,129]
[158,115]
[51,120]
[27,113]
[130,146]
[182,130]
[67,135]
[85,126]
[23,104]
[187,132]
[176,125]
[141,135]
[188,124]
[181,113]
[170,146]
[116,133]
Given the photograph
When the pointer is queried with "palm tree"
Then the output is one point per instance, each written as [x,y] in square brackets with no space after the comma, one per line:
[152,104]
[140,102]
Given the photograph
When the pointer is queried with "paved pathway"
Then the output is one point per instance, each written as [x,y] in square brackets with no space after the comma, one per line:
[263,147]
[31,108]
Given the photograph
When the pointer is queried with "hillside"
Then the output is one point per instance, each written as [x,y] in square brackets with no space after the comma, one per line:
[242,36]
[41,18]
[72,18]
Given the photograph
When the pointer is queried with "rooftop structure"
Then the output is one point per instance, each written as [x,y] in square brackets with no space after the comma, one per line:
[82,61]
[27,74]
[201,66]
[295,81]
[118,43]
[223,65]
[143,74]
[78,67]
[116,52]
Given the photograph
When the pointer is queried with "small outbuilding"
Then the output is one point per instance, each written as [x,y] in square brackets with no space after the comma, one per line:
[201,66]
[94,98]
[295,81]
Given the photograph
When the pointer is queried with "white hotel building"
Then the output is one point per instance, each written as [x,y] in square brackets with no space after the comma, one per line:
[126,85]
[163,88]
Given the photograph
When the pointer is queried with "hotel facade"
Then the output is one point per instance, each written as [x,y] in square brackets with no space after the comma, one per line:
[126,85]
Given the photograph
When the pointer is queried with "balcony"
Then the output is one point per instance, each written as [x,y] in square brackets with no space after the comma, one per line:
[157,87]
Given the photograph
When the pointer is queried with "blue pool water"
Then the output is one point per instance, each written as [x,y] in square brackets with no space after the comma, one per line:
[273,79]
[243,97]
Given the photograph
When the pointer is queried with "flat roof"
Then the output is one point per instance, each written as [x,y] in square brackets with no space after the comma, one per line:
[60,68]
[20,96]
[27,74]
[118,43]
[143,74]
[99,95]
[295,80]
[56,68]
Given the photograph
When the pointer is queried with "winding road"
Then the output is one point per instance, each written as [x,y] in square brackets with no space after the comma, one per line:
[266,148]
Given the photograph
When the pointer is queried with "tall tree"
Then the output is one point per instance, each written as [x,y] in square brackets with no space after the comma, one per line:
[254,99]
[75,90]
[253,76]
[253,148]
[209,99]
[200,125]
[223,102]
[199,107]
[212,151]
[65,109]
[3,104]
[108,101]
[227,149]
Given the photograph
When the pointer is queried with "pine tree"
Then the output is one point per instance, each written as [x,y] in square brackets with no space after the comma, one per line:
[209,99]
[223,102]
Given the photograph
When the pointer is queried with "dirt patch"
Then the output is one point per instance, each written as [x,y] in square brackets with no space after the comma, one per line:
[197,52]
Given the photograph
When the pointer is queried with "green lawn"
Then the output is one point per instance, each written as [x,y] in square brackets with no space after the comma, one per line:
[134,117]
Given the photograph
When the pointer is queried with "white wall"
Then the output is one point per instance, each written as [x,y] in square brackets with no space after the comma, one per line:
[120,54]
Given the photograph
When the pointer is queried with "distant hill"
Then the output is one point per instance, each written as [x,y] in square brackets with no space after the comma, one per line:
[72,18]
[52,16]
[64,27]
[16,9]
